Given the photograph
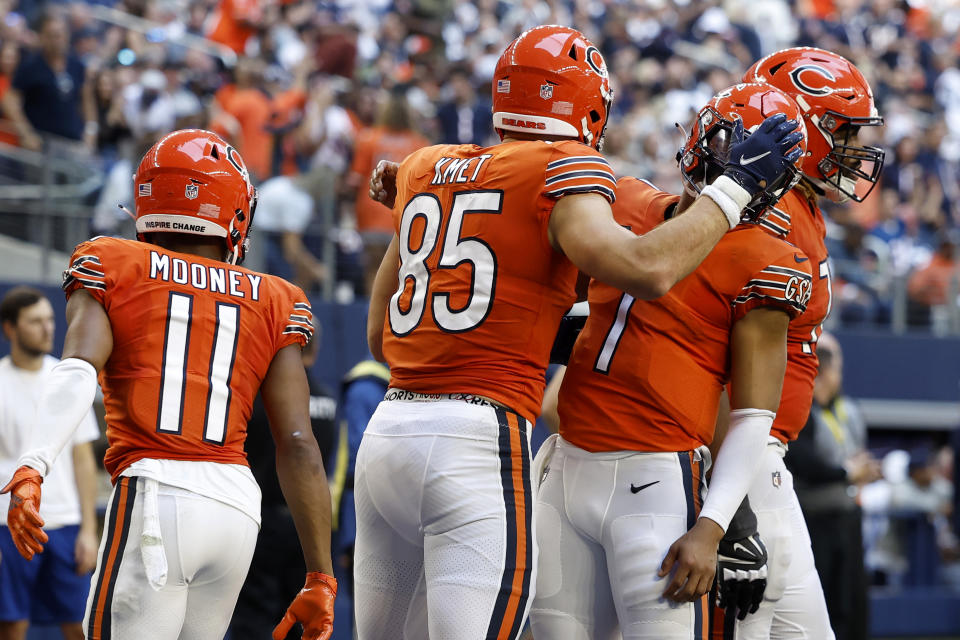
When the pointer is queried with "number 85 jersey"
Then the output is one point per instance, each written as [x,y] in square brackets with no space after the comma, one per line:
[192,341]
[480,290]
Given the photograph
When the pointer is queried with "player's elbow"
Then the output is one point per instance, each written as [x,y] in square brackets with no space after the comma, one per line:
[650,281]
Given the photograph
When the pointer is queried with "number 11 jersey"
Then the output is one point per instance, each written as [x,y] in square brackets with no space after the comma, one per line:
[192,341]
[480,290]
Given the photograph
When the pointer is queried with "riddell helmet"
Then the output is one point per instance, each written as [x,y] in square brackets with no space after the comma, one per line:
[551,80]
[836,101]
[707,148]
[191,181]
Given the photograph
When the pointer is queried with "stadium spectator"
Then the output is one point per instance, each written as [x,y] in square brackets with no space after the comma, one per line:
[392,139]
[45,95]
[930,286]
[829,462]
[9,59]
[234,22]
[285,209]
[464,119]
[52,588]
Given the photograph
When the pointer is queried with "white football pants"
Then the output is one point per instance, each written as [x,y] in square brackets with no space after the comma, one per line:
[605,522]
[444,548]
[181,584]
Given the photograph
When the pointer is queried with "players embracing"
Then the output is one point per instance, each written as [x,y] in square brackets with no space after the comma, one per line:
[465,306]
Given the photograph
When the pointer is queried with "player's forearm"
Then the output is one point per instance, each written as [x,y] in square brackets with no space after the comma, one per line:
[304,485]
[85,475]
[733,469]
[69,391]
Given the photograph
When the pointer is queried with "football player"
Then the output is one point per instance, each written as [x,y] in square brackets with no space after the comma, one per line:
[464,309]
[182,338]
[836,102]
[628,541]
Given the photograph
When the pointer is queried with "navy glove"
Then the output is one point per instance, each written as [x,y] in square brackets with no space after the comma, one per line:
[741,575]
[763,156]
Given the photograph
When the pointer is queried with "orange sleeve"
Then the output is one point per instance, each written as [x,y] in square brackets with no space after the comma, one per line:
[86,271]
[785,284]
[640,205]
[577,168]
[296,317]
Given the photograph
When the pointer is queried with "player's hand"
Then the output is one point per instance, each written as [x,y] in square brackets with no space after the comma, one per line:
[313,608]
[741,575]
[693,561]
[23,516]
[383,183]
[85,551]
[764,155]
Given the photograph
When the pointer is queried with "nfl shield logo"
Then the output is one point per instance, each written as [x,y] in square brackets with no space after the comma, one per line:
[546,91]
[775,477]
[191,192]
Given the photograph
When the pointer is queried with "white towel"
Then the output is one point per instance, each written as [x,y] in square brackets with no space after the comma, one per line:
[151,539]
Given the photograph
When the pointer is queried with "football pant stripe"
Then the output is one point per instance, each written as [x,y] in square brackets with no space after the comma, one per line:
[119,529]
[515,582]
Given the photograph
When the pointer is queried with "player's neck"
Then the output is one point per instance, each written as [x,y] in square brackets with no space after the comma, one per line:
[26,360]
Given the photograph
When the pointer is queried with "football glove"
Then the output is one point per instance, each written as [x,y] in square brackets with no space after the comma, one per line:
[761,157]
[312,607]
[741,574]
[23,515]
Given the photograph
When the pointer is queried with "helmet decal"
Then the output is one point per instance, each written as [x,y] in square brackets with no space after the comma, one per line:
[596,62]
[802,86]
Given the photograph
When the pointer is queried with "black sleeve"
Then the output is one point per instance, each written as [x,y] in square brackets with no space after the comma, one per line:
[804,462]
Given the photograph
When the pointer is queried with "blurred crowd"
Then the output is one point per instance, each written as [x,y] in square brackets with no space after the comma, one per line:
[314,92]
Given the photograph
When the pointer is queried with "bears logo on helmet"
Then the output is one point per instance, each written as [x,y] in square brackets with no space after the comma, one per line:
[554,77]
[836,102]
[192,181]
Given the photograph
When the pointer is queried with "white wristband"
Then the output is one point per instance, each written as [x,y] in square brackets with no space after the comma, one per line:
[729,196]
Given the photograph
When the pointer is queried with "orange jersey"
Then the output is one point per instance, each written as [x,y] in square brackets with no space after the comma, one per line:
[800,223]
[192,341]
[646,375]
[482,291]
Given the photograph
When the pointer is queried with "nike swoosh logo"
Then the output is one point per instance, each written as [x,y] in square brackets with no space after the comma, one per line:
[739,547]
[635,489]
[799,259]
[754,158]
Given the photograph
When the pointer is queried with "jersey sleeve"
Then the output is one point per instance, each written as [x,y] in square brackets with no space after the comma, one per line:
[577,168]
[86,271]
[784,283]
[640,205]
[297,319]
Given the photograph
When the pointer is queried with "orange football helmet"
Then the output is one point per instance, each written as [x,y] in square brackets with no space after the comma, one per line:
[551,80]
[192,181]
[836,101]
[707,148]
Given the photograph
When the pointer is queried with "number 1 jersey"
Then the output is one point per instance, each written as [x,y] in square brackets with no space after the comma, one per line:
[192,341]
[480,289]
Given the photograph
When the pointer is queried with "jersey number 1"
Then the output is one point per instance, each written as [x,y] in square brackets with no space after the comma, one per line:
[455,251]
[173,381]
